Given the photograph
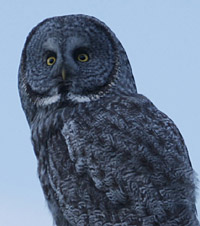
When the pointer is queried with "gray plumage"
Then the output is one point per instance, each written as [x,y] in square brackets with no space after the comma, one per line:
[106,155]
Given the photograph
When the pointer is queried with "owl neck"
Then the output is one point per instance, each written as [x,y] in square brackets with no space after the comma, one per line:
[122,85]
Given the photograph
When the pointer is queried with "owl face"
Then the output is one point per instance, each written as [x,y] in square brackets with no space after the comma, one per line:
[72,58]
[70,54]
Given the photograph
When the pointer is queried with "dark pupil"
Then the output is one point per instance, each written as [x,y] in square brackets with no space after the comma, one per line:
[51,61]
[82,57]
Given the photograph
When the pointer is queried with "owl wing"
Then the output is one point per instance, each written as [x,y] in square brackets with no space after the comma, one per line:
[133,153]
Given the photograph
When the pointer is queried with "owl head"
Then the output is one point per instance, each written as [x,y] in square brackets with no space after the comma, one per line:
[73,58]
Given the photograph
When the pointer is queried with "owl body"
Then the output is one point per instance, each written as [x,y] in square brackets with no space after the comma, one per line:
[106,155]
[91,186]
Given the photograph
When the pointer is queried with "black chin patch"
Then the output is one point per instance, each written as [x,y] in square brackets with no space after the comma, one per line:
[63,88]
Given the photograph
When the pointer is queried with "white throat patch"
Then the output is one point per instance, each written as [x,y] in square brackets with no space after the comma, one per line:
[48,100]
[78,98]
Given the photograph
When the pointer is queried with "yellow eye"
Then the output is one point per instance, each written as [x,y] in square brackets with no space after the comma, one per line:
[51,60]
[83,57]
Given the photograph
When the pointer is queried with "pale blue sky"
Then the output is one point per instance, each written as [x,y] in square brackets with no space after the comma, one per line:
[162,40]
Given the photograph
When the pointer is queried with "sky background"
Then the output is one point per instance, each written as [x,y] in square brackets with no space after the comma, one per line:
[162,40]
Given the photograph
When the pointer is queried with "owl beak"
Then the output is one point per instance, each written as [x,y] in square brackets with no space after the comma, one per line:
[63,74]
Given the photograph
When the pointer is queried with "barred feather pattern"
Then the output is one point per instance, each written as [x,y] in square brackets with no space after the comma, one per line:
[138,174]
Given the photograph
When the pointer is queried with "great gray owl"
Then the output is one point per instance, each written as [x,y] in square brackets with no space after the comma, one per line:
[106,155]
